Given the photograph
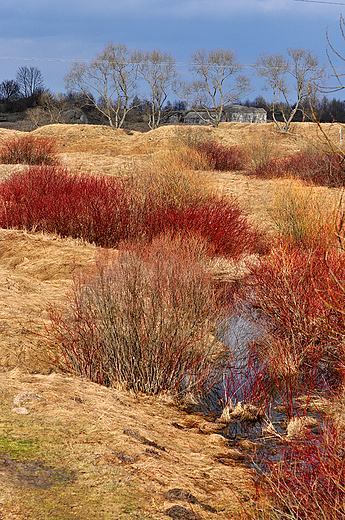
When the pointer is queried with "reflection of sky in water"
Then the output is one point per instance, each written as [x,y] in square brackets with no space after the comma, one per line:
[236,333]
[239,383]
[238,330]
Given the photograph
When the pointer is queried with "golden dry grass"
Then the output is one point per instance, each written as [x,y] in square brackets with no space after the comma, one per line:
[79,425]
[37,268]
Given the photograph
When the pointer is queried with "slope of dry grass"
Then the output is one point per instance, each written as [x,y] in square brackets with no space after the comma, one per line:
[73,449]
[74,427]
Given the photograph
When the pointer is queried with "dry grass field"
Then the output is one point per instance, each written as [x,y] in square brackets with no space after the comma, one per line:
[70,449]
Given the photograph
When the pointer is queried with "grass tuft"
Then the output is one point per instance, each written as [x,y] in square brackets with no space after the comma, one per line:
[302,214]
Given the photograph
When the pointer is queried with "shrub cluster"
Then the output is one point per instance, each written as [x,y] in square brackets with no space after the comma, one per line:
[296,295]
[308,481]
[108,210]
[312,167]
[223,158]
[29,150]
[145,320]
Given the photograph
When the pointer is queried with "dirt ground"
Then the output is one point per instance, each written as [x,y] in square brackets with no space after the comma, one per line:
[70,448]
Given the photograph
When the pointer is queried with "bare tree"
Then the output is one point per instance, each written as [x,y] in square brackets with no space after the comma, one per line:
[292,80]
[336,74]
[157,68]
[9,90]
[48,110]
[219,83]
[108,82]
[30,81]
[326,142]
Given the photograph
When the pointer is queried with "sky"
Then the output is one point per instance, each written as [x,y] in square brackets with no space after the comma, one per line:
[50,35]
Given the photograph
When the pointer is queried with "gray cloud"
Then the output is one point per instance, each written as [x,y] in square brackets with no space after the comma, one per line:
[78,29]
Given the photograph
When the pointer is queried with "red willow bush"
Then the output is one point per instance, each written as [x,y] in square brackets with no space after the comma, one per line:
[308,481]
[223,158]
[53,200]
[312,167]
[108,210]
[29,150]
[293,293]
[144,320]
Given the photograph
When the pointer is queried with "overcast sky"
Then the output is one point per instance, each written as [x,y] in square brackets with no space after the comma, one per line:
[51,34]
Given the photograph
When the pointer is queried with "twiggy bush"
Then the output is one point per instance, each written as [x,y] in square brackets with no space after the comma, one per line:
[308,481]
[145,320]
[51,199]
[301,350]
[313,167]
[29,150]
[223,158]
[105,211]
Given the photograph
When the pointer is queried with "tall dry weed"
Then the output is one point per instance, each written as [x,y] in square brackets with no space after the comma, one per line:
[302,214]
[261,150]
[178,174]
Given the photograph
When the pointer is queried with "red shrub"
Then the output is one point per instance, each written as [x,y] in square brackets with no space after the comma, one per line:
[316,167]
[308,481]
[223,158]
[294,295]
[219,220]
[53,200]
[29,150]
[108,210]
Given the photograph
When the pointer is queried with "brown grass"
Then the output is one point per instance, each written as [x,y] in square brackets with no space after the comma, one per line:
[79,428]
[80,425]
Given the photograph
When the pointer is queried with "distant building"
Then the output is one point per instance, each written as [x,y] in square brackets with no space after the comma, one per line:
[231,113]
[244,114]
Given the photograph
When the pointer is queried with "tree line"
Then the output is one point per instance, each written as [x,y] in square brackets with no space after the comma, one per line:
[110,84]
[23,91]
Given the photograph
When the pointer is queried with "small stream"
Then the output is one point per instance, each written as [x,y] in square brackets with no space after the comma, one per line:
[239,384]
